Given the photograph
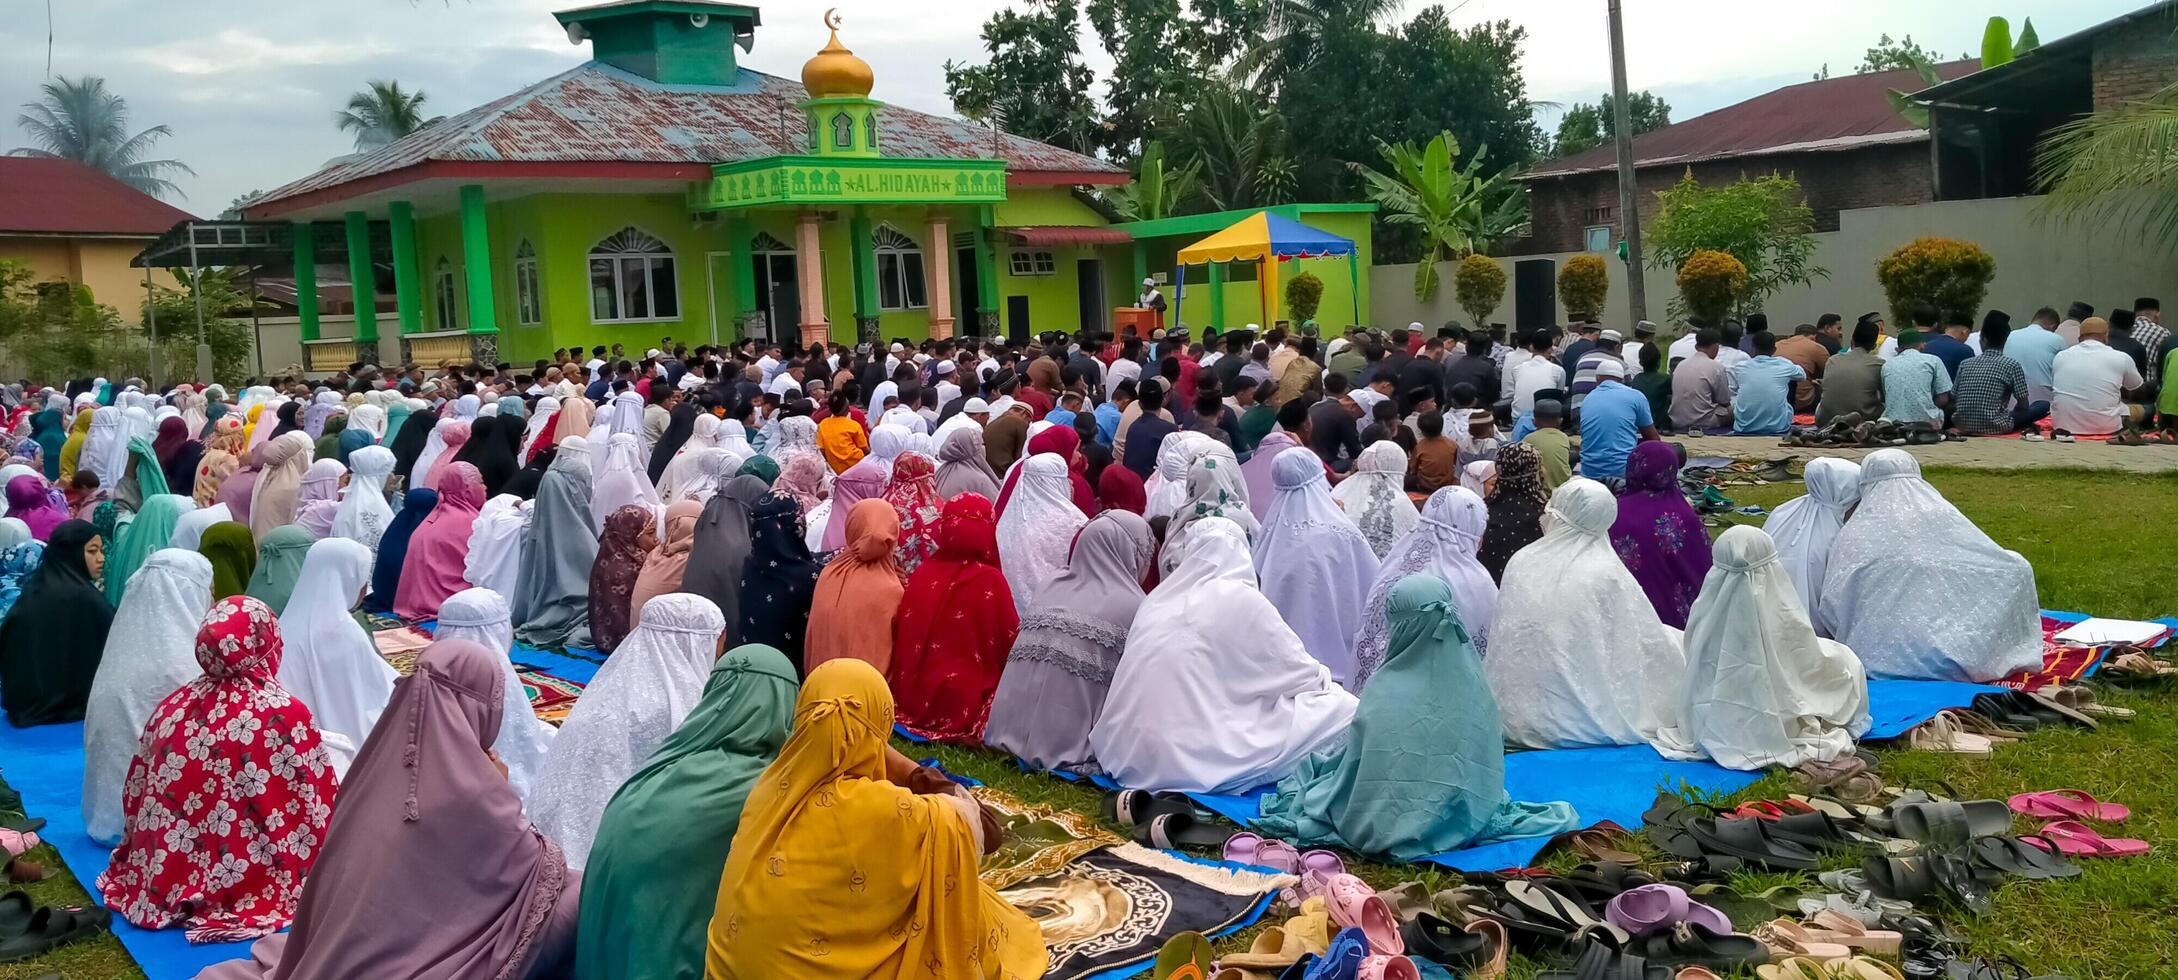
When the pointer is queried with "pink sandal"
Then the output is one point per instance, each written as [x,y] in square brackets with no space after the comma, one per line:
[1355,905]
[2068,804]
[1241,848]
[1389,968]
[17,843]
[1278,856]
[2077,839]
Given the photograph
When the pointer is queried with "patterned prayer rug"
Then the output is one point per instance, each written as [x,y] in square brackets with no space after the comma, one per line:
[1115,907]
[1039,840]
[551,697]
[2061,664]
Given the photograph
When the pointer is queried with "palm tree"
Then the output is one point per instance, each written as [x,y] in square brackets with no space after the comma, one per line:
[1234,141]
[79,120]
[1156,191]
[381,114]
[2116,168]
[1294,33]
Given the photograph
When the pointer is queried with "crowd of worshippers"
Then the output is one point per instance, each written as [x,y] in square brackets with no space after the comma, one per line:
[1268,579]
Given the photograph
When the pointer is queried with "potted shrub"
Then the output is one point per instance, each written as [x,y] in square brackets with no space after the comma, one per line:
[1948,274]
[1304,293]
[1479,285]
[1584,284]
[1709,282]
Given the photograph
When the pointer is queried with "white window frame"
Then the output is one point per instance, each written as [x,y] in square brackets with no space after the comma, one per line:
[891,243]
[1026,262]
[444,303]
[650,252]
[1588,237]
[528,291]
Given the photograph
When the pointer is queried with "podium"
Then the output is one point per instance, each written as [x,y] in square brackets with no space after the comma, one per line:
[1142,319]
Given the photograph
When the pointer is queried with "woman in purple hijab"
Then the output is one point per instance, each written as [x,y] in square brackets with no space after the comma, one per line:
[237,490]
[431,870]
[28,502]
[1658,535]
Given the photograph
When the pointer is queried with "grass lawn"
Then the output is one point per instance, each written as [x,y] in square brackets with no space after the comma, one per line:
[2101,543]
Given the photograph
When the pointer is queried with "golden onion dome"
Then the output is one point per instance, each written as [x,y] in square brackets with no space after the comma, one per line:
[835,72]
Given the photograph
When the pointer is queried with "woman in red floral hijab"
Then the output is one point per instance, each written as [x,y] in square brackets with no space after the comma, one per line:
[954,628]
[913,493]
[229,796]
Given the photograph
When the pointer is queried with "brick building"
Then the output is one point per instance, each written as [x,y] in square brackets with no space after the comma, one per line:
[1839,136]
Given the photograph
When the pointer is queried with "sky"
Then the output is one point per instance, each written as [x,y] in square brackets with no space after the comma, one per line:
[250,87]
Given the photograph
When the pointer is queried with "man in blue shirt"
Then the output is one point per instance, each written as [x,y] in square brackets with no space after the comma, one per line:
[1614,419]
[2035,348]
[1762,406]
[1111,411]
[1950,346]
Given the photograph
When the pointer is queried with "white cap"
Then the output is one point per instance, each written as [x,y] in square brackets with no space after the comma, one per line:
[897,347]
[1610,367]
[1645,326]
[976,406]
[1003,405]
[1613,336]
[1149,282]
[654,352]
[1252,328]
[1416,325]
[943,368]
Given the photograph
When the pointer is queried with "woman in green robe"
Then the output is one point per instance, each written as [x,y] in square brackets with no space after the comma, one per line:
[1423,768]
[149,532]
[232,550]
[279,564]
[652,877]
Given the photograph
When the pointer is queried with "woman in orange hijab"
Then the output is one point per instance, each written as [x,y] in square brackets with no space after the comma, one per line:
[859,592]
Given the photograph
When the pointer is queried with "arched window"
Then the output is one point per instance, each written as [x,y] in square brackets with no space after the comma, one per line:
[528,305]
[900,279]
[843,132]
[442,295]
[632,278]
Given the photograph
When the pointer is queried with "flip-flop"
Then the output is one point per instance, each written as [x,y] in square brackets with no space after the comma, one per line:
[1750,840]
[2077,839]
[1603,961]
[1241,848]
[1184,957]
[51,927]
[1381,967]
[2053,804]
[1174,831]
[1698,945]
[1863,968]
[1433,938]
[1552,904]
[1950,823]
[1129,807]
[1853,934]
[1793,968]
[1343,961]
[2012,855]
[1273,949]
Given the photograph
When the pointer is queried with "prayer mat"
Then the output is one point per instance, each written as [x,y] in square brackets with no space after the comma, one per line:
[376,622]
[1038,840]
[2063,663]
[1107,913]
[551,697]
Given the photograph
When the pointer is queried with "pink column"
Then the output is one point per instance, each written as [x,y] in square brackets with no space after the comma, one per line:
[809,260]
[938,261]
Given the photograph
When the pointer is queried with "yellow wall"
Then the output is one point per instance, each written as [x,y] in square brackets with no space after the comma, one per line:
[99,263]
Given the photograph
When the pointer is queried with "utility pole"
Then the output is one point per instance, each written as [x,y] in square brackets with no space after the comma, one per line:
[1629,213]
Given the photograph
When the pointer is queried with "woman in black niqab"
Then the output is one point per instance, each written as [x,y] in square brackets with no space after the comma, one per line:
[51,642]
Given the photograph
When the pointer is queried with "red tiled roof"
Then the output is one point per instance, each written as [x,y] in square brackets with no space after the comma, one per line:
[49,196]
[1840,113]
[594,113]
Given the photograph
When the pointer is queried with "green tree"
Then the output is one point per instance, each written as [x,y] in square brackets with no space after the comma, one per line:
[381,114]
[1764,222]
[241,203]
[1589,125]
[1156,191]
[1304,292]
[1298,34]
[2117,168]
[1162,52]
[227,305]
[78,119]
[1034,83]
[1458,210]
[1235,142]
[1478,283]
[1896,55]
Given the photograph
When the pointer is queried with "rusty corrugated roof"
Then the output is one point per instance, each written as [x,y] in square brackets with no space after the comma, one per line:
[1832,114]
[596,113]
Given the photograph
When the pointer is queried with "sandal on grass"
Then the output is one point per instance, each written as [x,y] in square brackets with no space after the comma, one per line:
[1950,823]
[1787,939]
[1691,943]
[2062,804]
[1184,957]
[1851,933]
[1550,904]
[1976,723]
[1793,968]
[2082,700]
[2077,839]
[1941,734]
[2137,664]
[1602,961]
[2013,855]
[51,927]
[1862,968]
[1178,831]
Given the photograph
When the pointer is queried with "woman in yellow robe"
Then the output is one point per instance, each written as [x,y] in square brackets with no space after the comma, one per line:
[839,871]
[72,450]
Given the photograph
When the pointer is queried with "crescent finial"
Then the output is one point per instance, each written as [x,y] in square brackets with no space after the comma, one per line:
[831,18]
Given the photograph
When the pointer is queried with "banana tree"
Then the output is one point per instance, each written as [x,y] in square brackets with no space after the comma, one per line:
[1997,48]
[1155,192]
[1459,209]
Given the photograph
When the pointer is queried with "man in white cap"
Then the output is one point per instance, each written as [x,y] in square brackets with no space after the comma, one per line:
[972,415]
[941,377]
[1152,299]
[1613,419]
[1630,354]
[893,356]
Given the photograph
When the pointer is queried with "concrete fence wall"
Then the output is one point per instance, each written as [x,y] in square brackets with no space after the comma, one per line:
[2039,262]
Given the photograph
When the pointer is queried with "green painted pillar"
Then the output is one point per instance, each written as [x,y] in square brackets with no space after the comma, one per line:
[1353,279]
[306,279]
[359,275]
[407,291]
[986,274]
[1217,296]
[864,252]
[476,256]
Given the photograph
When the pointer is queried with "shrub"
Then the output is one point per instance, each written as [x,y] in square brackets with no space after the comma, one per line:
[1584,283]
[1764,222]
[1950,275]
[1304,293]
[1479,285]
[1710,282]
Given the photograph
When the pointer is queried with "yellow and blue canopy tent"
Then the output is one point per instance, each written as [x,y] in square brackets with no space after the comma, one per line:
[1270,239]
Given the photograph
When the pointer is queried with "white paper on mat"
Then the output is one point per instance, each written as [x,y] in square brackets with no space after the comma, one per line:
[2103,632]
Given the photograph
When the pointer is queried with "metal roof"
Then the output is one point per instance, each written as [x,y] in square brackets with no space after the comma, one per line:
[2014,79]
[1842,113]
[595,113]
[52,196]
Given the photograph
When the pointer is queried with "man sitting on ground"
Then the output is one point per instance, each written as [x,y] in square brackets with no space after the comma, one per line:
[2091,381]
[1614,419]
[1991,396]
[1435,462]
[1915,385]
[1763,405]
[1853,381]
[1551,443]
[1701,394]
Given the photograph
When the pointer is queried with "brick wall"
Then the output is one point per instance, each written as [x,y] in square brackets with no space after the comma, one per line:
[2133,64]
[1563,207]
